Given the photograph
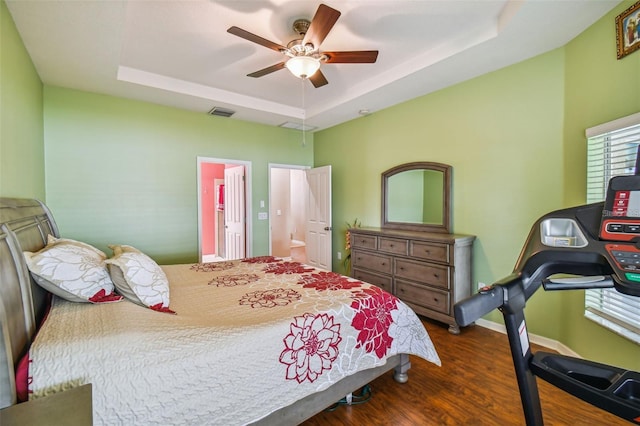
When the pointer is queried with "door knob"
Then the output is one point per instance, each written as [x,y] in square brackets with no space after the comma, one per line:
[327,228]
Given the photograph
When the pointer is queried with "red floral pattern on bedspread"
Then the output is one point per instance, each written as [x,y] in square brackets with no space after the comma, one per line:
[301,340]
[234,280]
[287,268]
[311,346]
[262,259]
[373,308]
[212,266]
[270,298]
[328,281]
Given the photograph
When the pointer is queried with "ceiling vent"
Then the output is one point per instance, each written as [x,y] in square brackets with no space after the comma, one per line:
[221,112]
[297,126]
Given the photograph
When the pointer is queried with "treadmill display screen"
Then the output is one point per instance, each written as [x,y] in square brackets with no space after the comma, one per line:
[626,203]
[621,214]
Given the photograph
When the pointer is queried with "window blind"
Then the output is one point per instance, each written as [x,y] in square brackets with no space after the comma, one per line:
[611,151]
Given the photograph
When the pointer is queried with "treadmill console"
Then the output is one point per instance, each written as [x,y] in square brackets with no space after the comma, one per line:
[620,230]
[627,259]
[621,214]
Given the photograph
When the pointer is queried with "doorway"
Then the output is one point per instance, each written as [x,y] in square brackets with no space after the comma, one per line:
[224,194]
[300,214]
[287,194]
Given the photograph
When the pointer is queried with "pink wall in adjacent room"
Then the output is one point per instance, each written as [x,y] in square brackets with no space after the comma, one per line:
[209,172]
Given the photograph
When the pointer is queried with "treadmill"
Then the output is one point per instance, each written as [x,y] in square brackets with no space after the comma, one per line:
[590,246]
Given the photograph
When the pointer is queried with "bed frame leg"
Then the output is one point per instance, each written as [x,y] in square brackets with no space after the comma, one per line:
[400,373]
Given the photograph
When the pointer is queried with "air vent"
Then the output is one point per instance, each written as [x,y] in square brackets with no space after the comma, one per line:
[221,112]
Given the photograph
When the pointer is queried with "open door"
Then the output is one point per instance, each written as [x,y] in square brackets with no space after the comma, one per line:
[234,213]
[211,208]
[318,207]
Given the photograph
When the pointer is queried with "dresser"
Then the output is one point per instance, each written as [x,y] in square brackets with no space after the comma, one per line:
[428,271]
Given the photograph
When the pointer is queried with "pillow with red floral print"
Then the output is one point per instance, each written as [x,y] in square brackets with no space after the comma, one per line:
[73,270]
[139,278]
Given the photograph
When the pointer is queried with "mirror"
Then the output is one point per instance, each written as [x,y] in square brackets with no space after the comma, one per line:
[416,196]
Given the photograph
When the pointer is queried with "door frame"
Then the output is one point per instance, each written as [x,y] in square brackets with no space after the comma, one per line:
[279,166]
[248,201]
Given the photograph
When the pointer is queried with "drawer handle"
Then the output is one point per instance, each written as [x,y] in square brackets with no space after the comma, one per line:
[390,245]
[427,252]
[383,263]
[436,276]
[401,268]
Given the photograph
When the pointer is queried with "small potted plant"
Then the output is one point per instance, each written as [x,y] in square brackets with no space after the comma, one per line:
[346,263]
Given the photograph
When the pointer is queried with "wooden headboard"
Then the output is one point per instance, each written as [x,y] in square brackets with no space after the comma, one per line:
[24,226]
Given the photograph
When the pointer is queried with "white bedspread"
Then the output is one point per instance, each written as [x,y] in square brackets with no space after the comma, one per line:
[248,337]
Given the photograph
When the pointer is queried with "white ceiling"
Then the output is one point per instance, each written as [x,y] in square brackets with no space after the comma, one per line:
[178,53]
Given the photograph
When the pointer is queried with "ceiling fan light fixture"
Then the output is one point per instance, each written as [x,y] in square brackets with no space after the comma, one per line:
[303,66]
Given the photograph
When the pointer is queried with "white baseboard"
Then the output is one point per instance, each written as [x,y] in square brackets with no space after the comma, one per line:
[561,348]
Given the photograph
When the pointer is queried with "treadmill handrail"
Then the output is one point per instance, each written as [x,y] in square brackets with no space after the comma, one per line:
[512,291]
[483,302]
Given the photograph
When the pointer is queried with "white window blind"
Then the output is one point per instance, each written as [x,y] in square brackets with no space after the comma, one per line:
[611,151]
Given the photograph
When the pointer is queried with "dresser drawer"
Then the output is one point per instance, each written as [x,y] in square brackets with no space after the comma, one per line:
[430,298]
[375,262]
[427,273]
[429,251]
[364,241]
[393,245]
[382,281]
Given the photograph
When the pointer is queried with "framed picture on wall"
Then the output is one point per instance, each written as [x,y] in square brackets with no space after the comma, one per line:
[628,30]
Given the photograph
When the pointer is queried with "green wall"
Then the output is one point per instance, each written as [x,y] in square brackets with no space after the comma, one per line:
[599,88]
[122,171]
[515,139]
[21,132]
[501,132]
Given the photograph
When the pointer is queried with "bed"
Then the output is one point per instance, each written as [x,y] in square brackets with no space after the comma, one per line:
[253,341]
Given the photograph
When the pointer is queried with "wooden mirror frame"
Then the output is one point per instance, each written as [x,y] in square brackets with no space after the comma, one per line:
[446,195]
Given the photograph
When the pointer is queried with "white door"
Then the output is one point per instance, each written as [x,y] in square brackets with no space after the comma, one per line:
[234,213]
[318,206]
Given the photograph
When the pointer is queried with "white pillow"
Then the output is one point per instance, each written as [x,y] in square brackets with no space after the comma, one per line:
[72,270]
[138,278]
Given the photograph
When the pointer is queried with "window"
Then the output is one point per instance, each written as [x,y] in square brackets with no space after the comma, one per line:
[611,151]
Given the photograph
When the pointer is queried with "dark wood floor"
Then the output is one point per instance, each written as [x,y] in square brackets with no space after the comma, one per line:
[476,385]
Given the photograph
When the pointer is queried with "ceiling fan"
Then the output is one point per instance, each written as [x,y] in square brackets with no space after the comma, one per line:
[304,53]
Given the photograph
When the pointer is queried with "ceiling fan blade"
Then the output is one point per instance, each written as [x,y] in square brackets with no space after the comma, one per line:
[324,19]
[318,79]
[267,70]
[351,57]
[256,39]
